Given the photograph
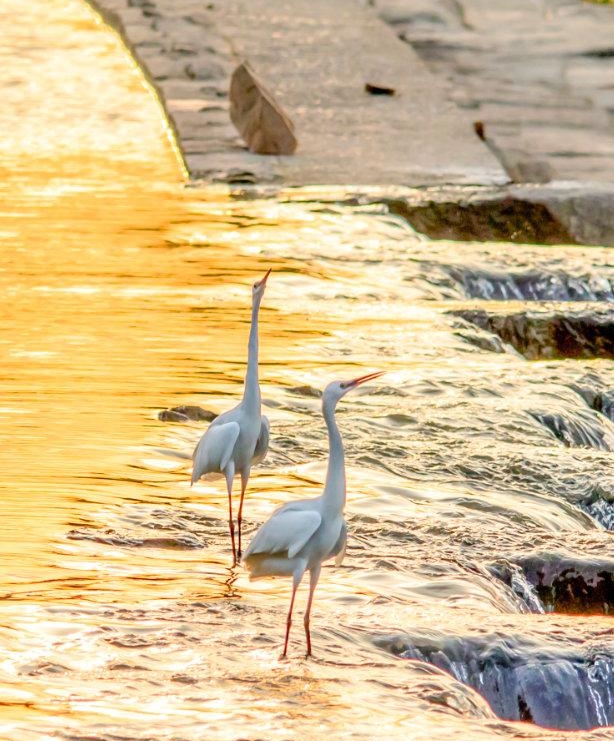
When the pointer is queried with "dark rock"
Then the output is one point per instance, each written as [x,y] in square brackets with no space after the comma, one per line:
[552,685]
[186,413]
[482,340]
[571,585]
[306,391]
[550,334]
[259,118]
[556,213]
[483,218]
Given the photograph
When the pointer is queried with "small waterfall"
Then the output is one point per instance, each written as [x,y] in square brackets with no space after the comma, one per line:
[533,285]
[595,393]
[603,511]
[578,428]
[515,578]
[552,686]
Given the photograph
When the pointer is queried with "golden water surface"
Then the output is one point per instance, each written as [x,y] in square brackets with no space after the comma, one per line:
[123,293]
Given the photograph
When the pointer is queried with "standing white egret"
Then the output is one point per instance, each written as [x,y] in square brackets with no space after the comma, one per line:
[239,438]
[300,535]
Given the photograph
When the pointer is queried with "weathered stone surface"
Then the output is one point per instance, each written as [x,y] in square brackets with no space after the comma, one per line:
[550,333]
[520,165]
[540,76]
[260,120]
[346,137]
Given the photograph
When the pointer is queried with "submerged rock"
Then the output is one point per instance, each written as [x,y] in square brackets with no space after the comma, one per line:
[186,413]
[550,334]
[551,685]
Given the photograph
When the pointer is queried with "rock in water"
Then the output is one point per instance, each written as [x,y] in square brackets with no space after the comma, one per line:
[259,119]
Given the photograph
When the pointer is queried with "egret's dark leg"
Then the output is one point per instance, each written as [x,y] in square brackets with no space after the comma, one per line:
[314,575]
[244,480]
[296,580]
[229,473]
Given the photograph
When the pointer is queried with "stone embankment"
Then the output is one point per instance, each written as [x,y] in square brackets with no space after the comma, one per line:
[500,125]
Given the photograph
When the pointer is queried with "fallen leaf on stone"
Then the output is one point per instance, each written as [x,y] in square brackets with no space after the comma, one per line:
[379,89]
[259,119]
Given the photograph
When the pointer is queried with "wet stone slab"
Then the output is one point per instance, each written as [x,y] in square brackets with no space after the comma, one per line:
[539,76]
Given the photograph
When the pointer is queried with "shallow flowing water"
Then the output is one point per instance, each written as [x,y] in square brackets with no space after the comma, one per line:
[125,292]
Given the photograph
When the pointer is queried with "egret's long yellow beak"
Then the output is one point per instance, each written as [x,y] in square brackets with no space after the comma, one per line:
[364,379]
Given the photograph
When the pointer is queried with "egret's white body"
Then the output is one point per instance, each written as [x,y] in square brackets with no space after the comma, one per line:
[300,535]
[239,438]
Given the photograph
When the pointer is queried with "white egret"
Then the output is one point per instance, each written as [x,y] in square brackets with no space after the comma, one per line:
[239,438]
[300,535]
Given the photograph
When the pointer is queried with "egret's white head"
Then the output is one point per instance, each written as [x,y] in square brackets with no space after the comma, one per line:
[259,286]
[336,389]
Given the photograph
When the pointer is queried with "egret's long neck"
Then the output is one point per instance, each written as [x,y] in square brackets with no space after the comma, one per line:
[251,394]
[334,488]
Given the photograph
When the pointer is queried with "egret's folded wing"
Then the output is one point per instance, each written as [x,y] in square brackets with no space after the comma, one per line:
[262,444]
[339,550]
[287,531]
[214,449]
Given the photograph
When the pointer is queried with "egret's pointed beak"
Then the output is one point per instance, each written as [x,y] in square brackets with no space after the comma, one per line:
[266,275]
[364,379]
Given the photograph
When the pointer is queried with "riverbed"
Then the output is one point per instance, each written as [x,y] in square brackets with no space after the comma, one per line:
[472,470]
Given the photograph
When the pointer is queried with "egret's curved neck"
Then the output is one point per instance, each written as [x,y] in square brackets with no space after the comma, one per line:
[251,393]
[334,488]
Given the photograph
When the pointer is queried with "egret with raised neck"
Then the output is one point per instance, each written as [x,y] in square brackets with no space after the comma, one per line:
[300,535]
[238,439]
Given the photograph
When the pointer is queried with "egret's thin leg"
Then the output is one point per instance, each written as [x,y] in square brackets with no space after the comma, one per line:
[244,480]
[296,580]
[229,473]
[314,575]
